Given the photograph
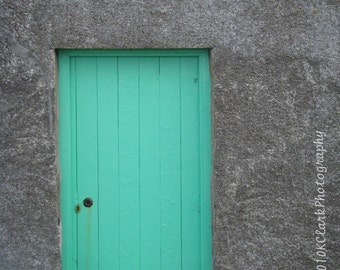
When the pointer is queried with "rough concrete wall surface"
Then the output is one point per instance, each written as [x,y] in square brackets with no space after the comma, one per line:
[275,86]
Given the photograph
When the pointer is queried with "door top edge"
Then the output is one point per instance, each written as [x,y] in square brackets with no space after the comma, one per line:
[133,52]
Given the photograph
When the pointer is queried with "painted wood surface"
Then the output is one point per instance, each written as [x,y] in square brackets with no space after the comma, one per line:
[135,137]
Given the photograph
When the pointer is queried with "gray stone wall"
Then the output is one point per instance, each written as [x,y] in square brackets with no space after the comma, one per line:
[275,68]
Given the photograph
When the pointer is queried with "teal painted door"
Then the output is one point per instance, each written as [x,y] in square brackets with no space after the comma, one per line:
[134,135]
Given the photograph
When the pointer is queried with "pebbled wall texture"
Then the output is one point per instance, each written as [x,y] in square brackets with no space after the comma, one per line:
[275,69]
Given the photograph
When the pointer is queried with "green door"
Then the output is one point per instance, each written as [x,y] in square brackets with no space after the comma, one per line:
[135,155]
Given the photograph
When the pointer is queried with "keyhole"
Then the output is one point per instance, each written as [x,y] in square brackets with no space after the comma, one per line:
[77,208]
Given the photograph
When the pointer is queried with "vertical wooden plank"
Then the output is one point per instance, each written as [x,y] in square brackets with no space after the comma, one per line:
[206,162]
[170,163]
[87,169]
[129,162]
[149,164]
[108,202]
[190,152]
[67,153]
[73,149]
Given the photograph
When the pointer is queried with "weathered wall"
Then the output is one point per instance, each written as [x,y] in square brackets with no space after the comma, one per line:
[275,82]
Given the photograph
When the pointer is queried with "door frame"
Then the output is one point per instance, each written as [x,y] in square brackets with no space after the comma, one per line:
[67,135]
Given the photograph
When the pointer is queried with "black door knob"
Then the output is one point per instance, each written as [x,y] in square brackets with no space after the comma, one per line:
[87,202]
